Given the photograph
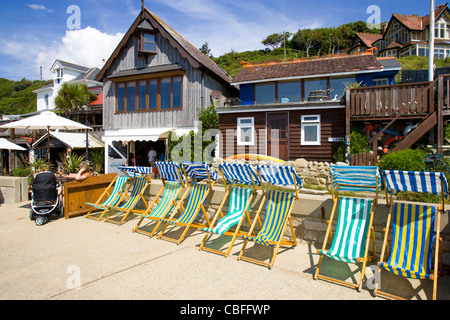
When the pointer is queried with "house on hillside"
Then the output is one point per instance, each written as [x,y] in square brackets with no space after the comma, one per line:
[408,35]
[66,72]
[363,42]
[154,83]
[295,109]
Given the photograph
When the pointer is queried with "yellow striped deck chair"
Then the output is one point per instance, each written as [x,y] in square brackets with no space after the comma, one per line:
[142,181]
[278,212]
[239,203]
[197,192]
[173,182]
[413,228]
[118,186]
[350,243]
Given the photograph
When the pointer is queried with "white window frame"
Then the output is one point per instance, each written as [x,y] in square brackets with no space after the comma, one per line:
[310,123]
[240,126]
[380,80]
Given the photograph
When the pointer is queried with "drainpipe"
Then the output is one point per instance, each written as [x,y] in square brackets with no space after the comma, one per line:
[431,51]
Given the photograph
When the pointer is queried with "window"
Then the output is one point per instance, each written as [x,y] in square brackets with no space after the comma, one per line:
[381,82]
[46,101]
[245,131]
[289,92]
[59,76]
[338,85]
[150,95]
[265,93]
[310,130]
[316,90]
[147,42]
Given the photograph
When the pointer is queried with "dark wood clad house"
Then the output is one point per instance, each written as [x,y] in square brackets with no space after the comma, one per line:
[155,82]
[294,109]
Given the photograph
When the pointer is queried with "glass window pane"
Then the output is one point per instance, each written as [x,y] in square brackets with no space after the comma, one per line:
[121,97]
[149,42]
[337,87]
[289,92]
[176,92]
[165,93]
[153,94]
[142,102]
[131,96]
[315,90]
[310,133]
[246,135]
[149,46]
[265,93]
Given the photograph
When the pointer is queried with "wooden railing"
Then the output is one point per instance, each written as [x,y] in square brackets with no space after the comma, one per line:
[388,101]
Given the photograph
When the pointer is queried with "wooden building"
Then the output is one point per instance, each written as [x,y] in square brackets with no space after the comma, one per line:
[295,109]
[155,83]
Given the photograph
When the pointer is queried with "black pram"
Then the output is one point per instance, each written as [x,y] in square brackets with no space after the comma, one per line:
[44,198]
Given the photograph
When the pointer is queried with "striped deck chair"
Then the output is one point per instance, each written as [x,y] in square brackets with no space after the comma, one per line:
[350,243]
[278,211]
[413,228]
[197,192]
[239,203]
[173,182]
[141,176]
[118,186]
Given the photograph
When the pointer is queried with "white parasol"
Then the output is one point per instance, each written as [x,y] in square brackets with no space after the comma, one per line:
[6,144]
[45,121]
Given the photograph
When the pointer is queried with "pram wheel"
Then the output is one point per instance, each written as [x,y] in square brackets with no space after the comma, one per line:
[41,220]
[31,214]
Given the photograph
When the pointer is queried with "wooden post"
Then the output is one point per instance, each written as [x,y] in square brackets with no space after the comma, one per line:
[440,109]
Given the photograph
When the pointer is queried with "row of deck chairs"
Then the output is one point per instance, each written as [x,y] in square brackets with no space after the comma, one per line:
[413,225]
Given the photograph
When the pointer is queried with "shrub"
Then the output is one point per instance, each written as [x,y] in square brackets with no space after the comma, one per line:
[358,144]
[407,160]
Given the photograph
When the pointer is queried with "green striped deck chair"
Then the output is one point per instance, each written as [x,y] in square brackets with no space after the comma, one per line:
[197,192]
[173,182]
[413,228]
[351,241]
[137,194]
[118,185]
[239,203]
[279,206]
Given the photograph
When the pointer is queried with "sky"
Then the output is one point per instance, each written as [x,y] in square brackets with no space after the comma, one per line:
[34,33]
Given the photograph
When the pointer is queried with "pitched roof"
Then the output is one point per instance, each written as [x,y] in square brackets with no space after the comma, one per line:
[195,57]
[416,22]
[369,38]
[70,65]
[308,67]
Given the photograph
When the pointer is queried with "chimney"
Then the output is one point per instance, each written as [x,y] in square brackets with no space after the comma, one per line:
[441,6]
[383,28]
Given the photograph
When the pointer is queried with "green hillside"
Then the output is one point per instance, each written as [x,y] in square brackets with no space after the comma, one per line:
[17,97]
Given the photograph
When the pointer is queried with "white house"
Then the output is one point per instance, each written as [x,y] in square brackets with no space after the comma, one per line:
[65,72]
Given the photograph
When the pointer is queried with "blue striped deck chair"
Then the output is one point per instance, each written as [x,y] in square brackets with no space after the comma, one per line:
[117,185]
[197,191]
[279,205]
[239,202]
[173,181]
[351,241]
[413,227]
[142,179]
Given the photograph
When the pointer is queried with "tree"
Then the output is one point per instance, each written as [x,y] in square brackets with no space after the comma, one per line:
[73,97]
[206,50]
[276,39]
[306,39]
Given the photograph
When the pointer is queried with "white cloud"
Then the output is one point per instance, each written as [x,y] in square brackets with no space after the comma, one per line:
[86,47]
[39,7]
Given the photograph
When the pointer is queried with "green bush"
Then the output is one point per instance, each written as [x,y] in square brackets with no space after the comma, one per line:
[21,172]
[358,144]
[407,160]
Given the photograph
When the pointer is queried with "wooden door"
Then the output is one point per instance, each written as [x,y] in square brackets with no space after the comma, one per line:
[277,135]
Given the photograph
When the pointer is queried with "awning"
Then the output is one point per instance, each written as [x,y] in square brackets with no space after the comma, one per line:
[127,135]
[71,140]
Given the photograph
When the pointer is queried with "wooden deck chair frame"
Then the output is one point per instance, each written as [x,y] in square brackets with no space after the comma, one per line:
[158,200]
[142,173]
[180,209]
[370,237]
[108,197]
[437,243]
[234,233]
[288,220]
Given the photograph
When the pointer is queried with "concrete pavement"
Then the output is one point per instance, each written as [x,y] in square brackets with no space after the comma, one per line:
[87,260]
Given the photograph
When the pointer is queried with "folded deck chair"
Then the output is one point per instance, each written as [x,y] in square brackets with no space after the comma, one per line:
[350,243]
[117,186]
[239,202]
[141,176]
[197,191]
[413,228]
[278,211]
[173,182]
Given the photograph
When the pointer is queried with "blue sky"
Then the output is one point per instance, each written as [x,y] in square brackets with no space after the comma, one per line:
[33,33]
